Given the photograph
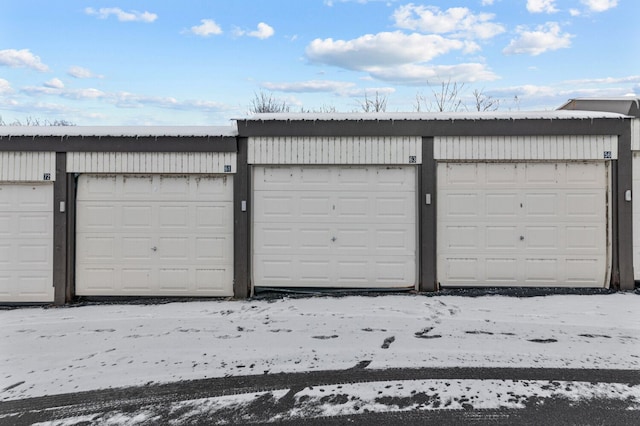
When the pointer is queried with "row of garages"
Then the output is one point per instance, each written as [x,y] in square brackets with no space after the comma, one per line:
[393,201]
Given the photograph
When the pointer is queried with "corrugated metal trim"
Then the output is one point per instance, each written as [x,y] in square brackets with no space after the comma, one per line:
[335,150]
[635,134]
[506,148]
[151,162]
[27,166]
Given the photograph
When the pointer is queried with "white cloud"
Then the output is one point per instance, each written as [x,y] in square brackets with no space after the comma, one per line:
[541,6]
[263,31]
[21,59]
[544,38]
[487,2]
[422,74]
[54,83]
[600,5]
[5,87]
[206,28]
[310,86]
[574,12]
[121,15]
[606,80]
[380,50]
[457,21]
[80,72]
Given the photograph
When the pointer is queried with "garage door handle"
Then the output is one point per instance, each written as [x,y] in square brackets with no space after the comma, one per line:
[334,239]
[521,238]
[154,248]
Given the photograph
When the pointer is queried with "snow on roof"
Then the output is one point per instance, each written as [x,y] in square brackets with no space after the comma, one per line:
[435,116]
[119,131]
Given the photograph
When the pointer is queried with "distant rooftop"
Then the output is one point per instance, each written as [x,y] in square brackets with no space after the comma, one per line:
[627,105]
[120,131]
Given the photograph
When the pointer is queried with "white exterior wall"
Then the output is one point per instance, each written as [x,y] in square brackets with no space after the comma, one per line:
[151,162]
[512,148]
[635,134]
[335,150]
[27,166]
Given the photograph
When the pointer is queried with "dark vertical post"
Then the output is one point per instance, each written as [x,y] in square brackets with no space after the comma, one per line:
[427,201]
[60,230]
[71,237]
[241,223]
[625,214]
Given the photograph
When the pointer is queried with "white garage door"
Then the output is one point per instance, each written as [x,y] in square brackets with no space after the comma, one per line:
[154,235]
[334,226]
[636,215]
[26,242]
[522,224]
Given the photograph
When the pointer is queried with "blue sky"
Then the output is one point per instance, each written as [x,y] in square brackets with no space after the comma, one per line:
[198,62]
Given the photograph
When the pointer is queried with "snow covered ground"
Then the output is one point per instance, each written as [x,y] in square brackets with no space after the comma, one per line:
[61,350]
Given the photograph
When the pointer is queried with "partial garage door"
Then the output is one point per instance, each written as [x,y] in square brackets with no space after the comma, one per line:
[334,226]
[636,214]
[26,242]
[523,224]
[155,235]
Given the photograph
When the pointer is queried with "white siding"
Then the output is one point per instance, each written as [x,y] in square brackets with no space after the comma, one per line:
[523,224]
[335,150]
[154,235]
[27,166]
[635,134]
[334,226]
[151,162]
[26,242]
[512,148]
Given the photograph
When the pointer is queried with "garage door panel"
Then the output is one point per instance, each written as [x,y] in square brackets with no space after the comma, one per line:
[336,226]
[541,204]
[355,207]
[164,243]
[463,237]
[501,270]
[500,238]
[503,205]
[326,179]
[541,271]
[584,272]
[585,238]
[321,239]
[133,248]
[501,174]
[548,238]
[461,204]
[348,271]
[137,279]
[543,228]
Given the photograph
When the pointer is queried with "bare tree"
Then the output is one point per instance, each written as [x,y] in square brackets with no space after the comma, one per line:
[377,104]
[321,109]
[447,98]
[484,102]
[267,103]
[30,121]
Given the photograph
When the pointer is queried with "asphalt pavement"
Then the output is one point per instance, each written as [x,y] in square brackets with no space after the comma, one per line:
[272,400]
